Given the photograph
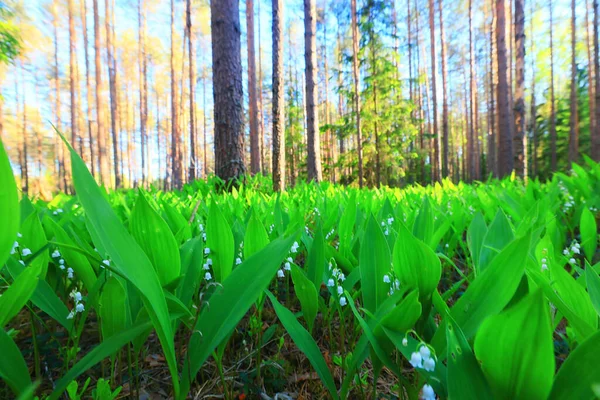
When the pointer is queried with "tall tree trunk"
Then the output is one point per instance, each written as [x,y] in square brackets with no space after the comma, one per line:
[472,135]
[596,134]
[255,160]
[25,141]
[492,145]
[112,77]
[227,90]
[356,76]
[445,95]
[102,140]
[176,178]
[204,145]
[591,74]
[573,119]
[278,99]
[533,112]
[59,148]
[192,78]
[520,138]
[142,70]
[259,104]
[375,114]
[505,137]
[552,101]
[72,55]
[435,164]
[88,88]
[312,117]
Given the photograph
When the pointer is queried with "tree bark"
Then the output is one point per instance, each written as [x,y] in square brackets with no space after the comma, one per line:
[143,71]
[445,96]
[312,117]
[102,141]
[573,119]
[596,134]
[472,135]
[255,156]
[72,55]
[505,137]
[278,99]
[435,162]
[227,90]
[492,145]
[176,167]
[552,101]
[112,81]
[520,138]
[356,77]
[192,78]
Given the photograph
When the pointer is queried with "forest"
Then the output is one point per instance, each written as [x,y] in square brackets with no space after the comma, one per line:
[299,199]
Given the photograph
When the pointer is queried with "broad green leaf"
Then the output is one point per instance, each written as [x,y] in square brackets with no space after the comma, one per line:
[230,302]
[490,292]
[374,264]
[34,239]
[306,344]
[307,294]
[192,258]
[416,265]
[156,240]
[316,259]
[499,234]
[219,239]
[80,264]
[44,297]
[9,206]
[579,373]
[112,308]
[475,235]
[404,315]
[424,224]
[128,257]
[465,379]
[18,294]
[346,226]
[12,365]
[593,287]
[256,237]
[516,351]
[589,235]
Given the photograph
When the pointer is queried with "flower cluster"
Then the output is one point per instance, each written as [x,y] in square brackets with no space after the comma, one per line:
[423,358]
[571,251]
[201,227]
[207,264]
[79,307]
[386,225]
[330,234]
[427,393]
[287,266]
[337,277]
[544,260]
[394,283]
[58,211]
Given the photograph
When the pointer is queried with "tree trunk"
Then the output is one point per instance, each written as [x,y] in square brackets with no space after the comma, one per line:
[192,78]
[505,137]
[58,145]
[25,142]
[520,138]
[72,55]
[552,101]
[142,70]
[255,160]
[204,146]
[435,165]
[591,74]
[88,88]
[573,119]
[312,117]
[102,142]
[278,99]
[227,90]
[112,77]
[471,136]
[356,76]
[492,145]
[596,134]
[259,105]
[445,95]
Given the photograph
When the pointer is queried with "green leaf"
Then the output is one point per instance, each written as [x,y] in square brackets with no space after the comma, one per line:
[416,265]
[306,344]
[156,240]
[589,236]
[256,237]
[112,308]
[499,235]
[316,259]
[307,294]
[424,223]
[219,239]
[374,264]
[464,376]
[128,257]
[404,316]
[12,365]
[79,262]
[192,258]
[9,207]
[579,373]
[516,352]
[230,302]
[346,225]
[475,235]
[593,287]
[43,297]
[490,292]
[18,294]
[34,238]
